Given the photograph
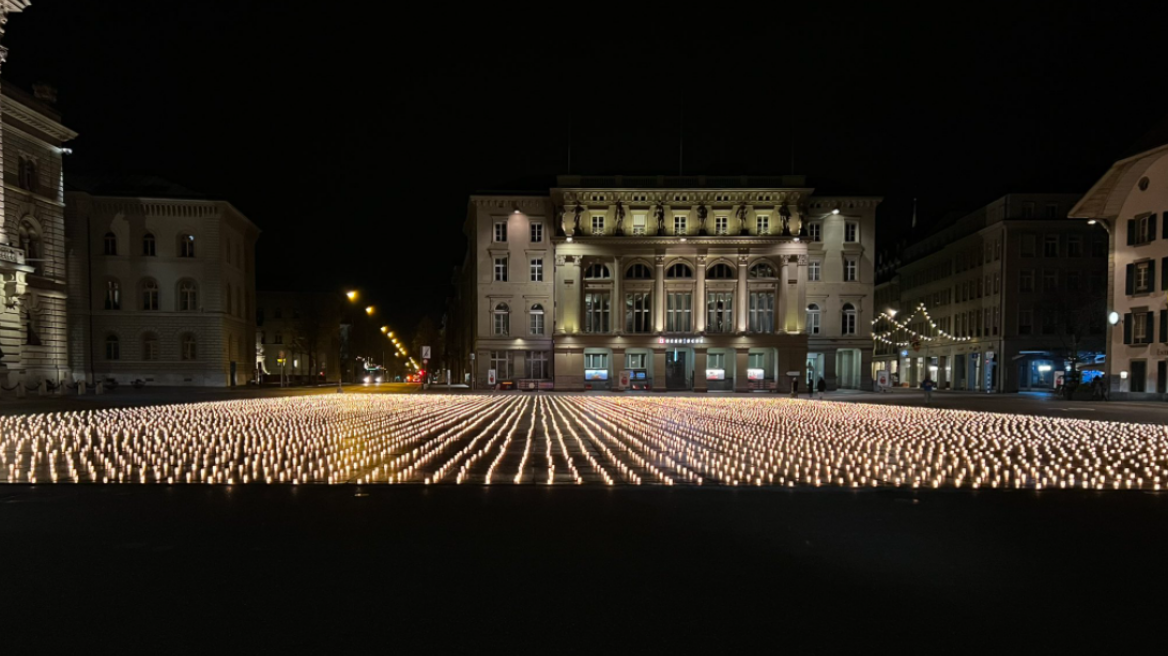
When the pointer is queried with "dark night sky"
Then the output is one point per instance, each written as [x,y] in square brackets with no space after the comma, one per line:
[352,135]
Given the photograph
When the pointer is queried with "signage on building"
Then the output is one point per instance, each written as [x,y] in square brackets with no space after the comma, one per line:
[625,377]
[715,374]
[681,340]
[755,374]
[596,374]
[883,379]
[490,376]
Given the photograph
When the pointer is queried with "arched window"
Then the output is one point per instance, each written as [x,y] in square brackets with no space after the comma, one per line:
[26,172]
[111,244]
[188,296]
[113,294]
[227,294]
[813,319]
[186,245]
[150,346]
[639,272]
[189,347]
[720,271]
[762,270]
[113,349]
[30,243]
[849,319]
[149,294]
[537,319]
[597,272]
[679,270]
[148,245]
[502,319]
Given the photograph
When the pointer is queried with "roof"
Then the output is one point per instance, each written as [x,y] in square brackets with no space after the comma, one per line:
[145,186]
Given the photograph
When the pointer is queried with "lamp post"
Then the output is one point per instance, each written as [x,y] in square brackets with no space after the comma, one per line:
[352,297]
[1113,317]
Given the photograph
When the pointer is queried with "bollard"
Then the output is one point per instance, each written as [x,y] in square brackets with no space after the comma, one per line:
[20,391]
[99,389]
[80,388]
[43,388]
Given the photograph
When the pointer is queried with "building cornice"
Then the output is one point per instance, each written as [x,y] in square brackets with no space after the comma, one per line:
[676,241]
[21,112]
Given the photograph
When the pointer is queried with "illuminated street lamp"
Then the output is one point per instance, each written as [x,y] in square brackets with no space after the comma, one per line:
[369,310]
[385,329]
[352,295]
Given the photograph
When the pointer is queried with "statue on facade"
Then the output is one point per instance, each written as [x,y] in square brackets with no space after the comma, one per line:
[576,212]
[785,215]
[620,218]
[702,212]
[740,213]
[561,212]
[659,213]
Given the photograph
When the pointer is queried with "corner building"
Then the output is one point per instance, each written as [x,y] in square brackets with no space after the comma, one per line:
[692,283]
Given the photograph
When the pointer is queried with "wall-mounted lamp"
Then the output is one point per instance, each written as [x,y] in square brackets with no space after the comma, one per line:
[1113,318]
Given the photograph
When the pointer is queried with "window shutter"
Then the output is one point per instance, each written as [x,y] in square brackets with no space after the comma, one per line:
[1151,319]
[1131,279]
[1152,276]
[1164,326]
[1131,232]
[1127,328]
[1152,228]
[1164,274]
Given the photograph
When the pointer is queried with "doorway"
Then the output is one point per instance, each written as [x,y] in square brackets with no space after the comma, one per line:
[677,369]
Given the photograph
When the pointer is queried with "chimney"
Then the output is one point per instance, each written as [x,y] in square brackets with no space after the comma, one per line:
[45,92]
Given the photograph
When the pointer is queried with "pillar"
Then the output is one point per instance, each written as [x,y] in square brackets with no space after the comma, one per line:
[699,301]
[741,362]
[615,366]
[659,294]
[742,311]
[799,298]
[700,384]
[785,322]
[659,369]
[616,313]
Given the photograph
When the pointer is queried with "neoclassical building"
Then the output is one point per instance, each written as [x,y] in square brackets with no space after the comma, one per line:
[32,239]
[161,284]
[694,283]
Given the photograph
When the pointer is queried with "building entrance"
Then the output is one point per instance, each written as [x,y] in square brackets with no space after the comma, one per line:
[677,370]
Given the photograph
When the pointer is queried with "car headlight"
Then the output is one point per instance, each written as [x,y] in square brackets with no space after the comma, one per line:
[367,379]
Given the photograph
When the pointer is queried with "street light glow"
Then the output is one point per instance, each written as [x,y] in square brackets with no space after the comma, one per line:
[369,310]
[352,295]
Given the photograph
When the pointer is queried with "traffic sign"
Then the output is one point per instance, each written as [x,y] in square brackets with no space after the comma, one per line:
[425,352]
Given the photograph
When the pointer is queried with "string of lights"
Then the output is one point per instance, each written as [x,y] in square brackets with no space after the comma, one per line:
[919,310]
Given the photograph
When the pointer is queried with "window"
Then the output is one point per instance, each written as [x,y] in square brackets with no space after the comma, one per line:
[1028,210]
[1099,248]
[720,312]
[113,295]
[1052,210]
[762,312]
[763,224]
[27,173]
[813,271]
[997,283]
[851,232]
[716,360]
[1075,245]
[679,270]
[678,225]
[597,312]
[149,294]
[720,271]
[1140,332]
[639,272]
[113,350]
[188,296]
[849,319]
[755,360]
[1025,322]
[536,232]
[111,244]
[815,231]
[30,243]
[500,269]
[500,231]
[721,225]
[851,270]
[1142,282]
[501,363]
[148,245]
[502,324]
[1050,246]
[596,361]
[638,224]
[150,347]
[678,312]
[1139,376]
[813,319]
[537,269]
[1028,246]
[279,338]
[227,296]
[596,272]
[537,321]
[1049,322]
[762,270]
[186,245]
[1141,230]
[1049,281]
[537,364]
[635,360]
[639,312]
[598,224]
[1026,281]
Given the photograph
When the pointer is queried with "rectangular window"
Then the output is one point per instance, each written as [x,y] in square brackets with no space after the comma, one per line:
[536,232]
[536,323]
[1028,246]
[813,271]
[716,361]
[502,325]
[851,232]
[1143,281]
[812,321]
[500,231]
[1052,210]
[997,283]
[597,312]
[1050,281]
[537,364]
[596,361]
[762,312]
[1098,248]
[1026,281]
[678,312]
[639,312]
[598,224]
[638,224]
[500,269]
[679,225]
[1075,245]
[851,270]
[537,269]
[1025,322]
[721,225]
[763,224]
[1049,322]
[501,363]
[1140,332]
[1073,281]
[815,231]
[755,360]
[635,360]
[1050,246]
[720,312]
[1028,210]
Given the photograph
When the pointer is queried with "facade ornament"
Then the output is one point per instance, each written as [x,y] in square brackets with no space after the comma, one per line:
[702,212]
[803,260]
[620,218]
[659,214]
[576,212]
[561,260]
[560,213]
[785,215]
[740,213]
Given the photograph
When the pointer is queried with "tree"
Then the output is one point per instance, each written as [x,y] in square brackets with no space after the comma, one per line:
[1073,322]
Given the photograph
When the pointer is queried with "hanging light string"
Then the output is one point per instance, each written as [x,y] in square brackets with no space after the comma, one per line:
[920,310]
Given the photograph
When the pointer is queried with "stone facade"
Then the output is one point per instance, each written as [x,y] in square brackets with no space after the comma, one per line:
[305,328]
[162,287]
[695,283]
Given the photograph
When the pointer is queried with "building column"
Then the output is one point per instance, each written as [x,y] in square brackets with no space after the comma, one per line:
[742,314]
[741,362]
[659,294]
[799,298]
[567,305]
[615,366]
[784,322]
[659,369]
[700,384]
[616,314]
[699,301]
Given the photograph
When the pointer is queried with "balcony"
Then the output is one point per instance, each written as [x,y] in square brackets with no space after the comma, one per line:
[11,255]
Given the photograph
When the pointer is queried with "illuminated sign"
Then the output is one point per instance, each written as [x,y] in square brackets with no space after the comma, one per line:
[681,340]
[755,374]
[596,374]
[715,374]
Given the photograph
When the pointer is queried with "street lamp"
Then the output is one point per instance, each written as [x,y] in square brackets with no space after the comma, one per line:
[369,310]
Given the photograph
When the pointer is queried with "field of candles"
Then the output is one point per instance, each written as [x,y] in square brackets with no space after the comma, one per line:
[577,440]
